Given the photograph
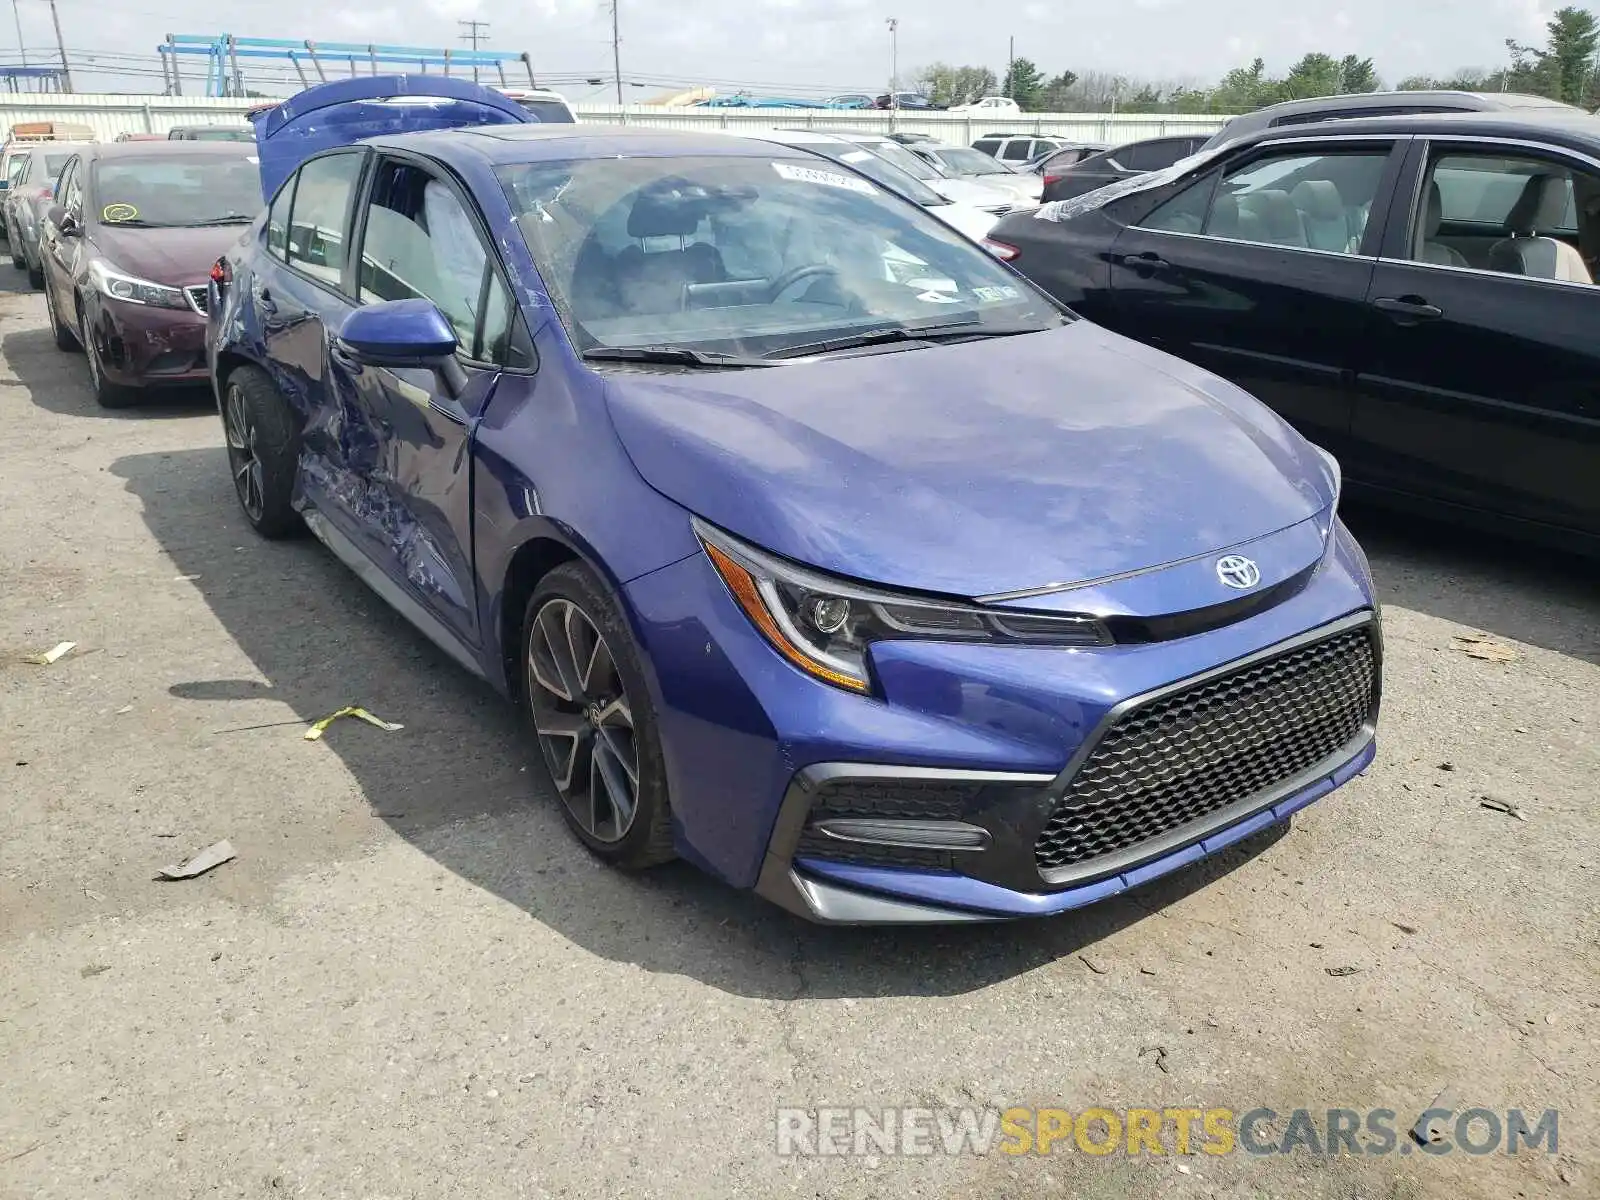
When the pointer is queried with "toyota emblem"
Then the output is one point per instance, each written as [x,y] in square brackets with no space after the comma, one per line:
[1237,571]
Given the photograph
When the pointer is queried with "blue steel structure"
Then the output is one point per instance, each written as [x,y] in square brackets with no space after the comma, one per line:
[223,53]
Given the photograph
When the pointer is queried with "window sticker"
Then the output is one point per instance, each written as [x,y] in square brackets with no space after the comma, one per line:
[994,295]
[119,212]
[825,178]
[936,297]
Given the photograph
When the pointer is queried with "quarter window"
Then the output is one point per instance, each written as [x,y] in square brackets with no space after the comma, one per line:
[1518,214]
[1318,201]
[320,215]
[278,222]
[70,186]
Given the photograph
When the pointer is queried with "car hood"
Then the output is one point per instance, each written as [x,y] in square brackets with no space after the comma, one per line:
[1029,187]
[967,191]
[964,218]
[977,468]
[171,256]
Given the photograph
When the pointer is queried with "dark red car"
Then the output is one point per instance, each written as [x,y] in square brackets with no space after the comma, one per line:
[127,251]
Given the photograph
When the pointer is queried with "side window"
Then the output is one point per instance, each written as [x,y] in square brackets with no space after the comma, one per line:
[70,186]
[1016,150]
[320,216]
[1152,156]
[17,169]
[278,221]
[1518,214]
[1184,212]
[987,145]
[1316,200]
[420,241]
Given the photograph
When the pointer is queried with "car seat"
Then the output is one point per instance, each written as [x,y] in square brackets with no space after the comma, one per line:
[1428,249]
[1322,214]
[1526,251]
[652,281]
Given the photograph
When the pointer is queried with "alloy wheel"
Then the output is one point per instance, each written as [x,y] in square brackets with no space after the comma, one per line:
[584,719]
[240,432]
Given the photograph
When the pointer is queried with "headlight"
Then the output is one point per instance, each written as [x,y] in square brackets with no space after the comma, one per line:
[134,290]
[824,625]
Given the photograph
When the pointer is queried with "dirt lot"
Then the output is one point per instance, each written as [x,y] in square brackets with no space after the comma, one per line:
[412,983]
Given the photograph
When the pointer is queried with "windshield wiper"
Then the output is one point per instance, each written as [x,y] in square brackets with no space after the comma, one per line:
[230,219]
[681,355]
[945,331]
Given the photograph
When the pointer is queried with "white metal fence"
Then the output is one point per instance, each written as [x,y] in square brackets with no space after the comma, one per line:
[110,115]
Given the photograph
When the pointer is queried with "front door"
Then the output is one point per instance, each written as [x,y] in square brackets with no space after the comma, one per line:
[1482,385]
[421,237]
[1259,271]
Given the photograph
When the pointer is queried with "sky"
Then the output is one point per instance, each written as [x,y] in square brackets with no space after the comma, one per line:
[809,46]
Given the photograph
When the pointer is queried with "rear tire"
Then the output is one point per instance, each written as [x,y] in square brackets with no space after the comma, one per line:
[594,721]
[263,442]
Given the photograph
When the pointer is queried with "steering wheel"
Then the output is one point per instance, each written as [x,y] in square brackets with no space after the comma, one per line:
[789,278]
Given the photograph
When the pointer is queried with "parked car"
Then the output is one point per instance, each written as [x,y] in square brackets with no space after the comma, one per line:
[630,422]
[990,106]
[1414,293]
[963,162]
[142,137]
[1069,154]
[1065,180]
[908,139]
[997,201]
[13,165]
[852,100]
[126,249]
[969,219]
[30,193]
[211,133]
[1375,104]
[1015,149]
[904,100]
[549,107]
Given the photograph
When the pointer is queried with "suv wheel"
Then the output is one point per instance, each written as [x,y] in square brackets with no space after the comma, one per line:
[263,451]
[592,715]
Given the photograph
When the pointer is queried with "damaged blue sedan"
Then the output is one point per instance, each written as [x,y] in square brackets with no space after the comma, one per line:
[818,547]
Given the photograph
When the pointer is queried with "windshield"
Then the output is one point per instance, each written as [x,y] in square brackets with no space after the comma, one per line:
[875,168]
[749,256]
[960,161]
[191,190]
[897,155]
[548,112]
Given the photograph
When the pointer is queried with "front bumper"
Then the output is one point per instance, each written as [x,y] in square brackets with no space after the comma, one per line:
[142,345]
[982,742]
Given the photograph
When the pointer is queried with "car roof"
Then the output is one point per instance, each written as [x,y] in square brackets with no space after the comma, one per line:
[169,150]
[1572,127]
[1461,101]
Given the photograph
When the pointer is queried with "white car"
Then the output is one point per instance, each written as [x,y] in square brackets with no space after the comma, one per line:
[965,218]
[990,106]
[996,200]
[963,162]
[549,108]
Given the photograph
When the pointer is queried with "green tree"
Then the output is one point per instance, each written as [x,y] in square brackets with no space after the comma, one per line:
[944,84]
[1313,75]
[1574,35]
[1357,74]
[1058,93]
[1024,83]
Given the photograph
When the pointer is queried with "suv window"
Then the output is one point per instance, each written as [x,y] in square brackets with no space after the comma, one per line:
[421,242]
[1519,214]
[1316,200]
[1017,150]
[1152,156]
[320,215]
[987,145]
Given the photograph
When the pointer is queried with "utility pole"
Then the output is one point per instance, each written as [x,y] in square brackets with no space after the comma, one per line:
[1011,69]
[66,68]
[616,49]
[21,49]
[894,70]
[474,30]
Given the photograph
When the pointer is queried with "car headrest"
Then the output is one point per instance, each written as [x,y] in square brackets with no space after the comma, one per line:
[1319,199]
[666,213]
[1543,200]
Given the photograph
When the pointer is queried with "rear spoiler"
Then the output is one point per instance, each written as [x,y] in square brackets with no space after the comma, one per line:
[348,110]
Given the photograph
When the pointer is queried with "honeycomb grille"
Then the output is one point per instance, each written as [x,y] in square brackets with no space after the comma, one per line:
[1184,756]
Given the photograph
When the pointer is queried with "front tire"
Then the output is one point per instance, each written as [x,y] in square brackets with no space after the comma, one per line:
[106,393]
[263,442]
[592,716]
[60,333]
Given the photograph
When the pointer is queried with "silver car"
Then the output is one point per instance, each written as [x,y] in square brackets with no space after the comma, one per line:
[962,162]
[32,191]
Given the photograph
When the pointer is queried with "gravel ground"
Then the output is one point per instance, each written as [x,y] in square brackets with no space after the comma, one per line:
[413,983]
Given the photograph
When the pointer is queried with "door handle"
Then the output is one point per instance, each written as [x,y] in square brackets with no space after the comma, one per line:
[1408,310]
[1147,260]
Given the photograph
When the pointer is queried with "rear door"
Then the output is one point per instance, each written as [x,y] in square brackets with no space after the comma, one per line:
[1480,387]
[1259,271]
[423,236]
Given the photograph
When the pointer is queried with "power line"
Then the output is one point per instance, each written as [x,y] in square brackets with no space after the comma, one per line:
[474,31]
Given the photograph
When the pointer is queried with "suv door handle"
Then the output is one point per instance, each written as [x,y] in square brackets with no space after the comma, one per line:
[1408,310]
[1147,260]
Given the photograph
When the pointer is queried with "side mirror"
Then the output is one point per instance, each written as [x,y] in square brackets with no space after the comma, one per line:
[404,333]
[66,224]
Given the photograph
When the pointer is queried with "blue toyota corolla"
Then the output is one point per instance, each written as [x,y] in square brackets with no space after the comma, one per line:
[818,547]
